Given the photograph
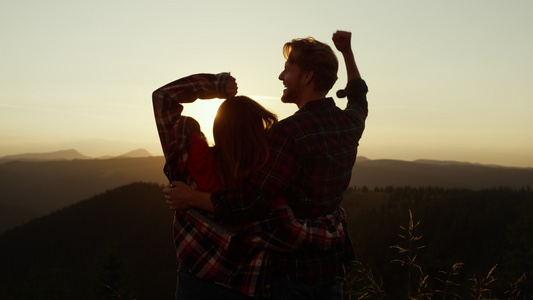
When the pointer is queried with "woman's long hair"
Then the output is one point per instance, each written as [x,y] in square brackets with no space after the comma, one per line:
[241,132]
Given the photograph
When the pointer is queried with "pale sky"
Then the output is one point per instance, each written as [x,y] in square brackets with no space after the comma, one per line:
[448,80]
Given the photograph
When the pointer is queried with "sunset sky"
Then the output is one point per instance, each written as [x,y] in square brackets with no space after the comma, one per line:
[448,80]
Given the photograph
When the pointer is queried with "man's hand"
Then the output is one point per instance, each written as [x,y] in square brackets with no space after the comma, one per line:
[176,195]
[342,41]
[180,196]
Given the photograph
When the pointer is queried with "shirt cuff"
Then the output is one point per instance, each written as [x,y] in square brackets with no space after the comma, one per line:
[354,87]
[220,83]
[217,199]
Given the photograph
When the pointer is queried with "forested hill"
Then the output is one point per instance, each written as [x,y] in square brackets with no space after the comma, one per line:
[455,238]
[30,189]
[118,244]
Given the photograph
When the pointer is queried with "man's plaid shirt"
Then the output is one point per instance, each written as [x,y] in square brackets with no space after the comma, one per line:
[311,159]
[207,249]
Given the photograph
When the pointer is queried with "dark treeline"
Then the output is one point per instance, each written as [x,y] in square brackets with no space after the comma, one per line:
[119,245]
[476,230]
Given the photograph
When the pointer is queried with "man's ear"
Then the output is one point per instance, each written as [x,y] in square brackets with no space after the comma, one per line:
[309,77]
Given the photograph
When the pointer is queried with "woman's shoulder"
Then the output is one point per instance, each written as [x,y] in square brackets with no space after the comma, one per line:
[200,150]
[201,163]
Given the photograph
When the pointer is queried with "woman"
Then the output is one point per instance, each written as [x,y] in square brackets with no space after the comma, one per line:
[214,260]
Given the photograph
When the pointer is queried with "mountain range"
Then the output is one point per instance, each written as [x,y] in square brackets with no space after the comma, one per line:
[33,185]
[69,154]
[446,174]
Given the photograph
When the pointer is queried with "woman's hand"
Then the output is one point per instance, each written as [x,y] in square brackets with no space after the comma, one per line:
[176,195]
[231,87]
[180,196]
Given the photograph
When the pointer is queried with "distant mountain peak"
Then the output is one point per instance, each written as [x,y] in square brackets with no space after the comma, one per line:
[137,153]
[68,154]
[450,163]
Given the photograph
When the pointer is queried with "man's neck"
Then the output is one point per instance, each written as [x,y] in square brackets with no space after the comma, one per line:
[310,97]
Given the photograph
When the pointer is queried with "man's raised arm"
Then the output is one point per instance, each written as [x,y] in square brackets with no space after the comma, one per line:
[343,43]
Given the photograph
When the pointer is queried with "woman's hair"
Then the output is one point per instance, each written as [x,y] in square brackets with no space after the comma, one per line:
[312,55]
[241,132]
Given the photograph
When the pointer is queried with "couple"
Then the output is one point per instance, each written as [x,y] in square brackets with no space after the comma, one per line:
[258,215]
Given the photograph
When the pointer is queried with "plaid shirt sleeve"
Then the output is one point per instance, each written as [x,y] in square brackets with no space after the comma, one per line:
[281,231]
[172,126]
[356,91]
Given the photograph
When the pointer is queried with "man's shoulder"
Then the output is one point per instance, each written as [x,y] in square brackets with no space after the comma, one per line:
[308,115]
[290,123]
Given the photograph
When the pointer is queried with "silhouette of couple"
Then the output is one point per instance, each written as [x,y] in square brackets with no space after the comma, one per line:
[258,215]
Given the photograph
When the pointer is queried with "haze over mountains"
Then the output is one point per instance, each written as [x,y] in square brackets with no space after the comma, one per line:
[33,185]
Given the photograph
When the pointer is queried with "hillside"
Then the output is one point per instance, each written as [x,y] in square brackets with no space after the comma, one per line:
[480,229]
[34,188]
[118,244]
[119,241]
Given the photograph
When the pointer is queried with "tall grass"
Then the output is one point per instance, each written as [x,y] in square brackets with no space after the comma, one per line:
[409,251]
[445,285]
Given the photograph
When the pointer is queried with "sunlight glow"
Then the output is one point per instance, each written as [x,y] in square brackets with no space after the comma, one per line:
[203,111]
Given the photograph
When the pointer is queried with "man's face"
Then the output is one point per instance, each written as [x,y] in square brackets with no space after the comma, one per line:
[292,80]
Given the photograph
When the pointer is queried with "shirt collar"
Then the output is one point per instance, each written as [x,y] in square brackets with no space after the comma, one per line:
[317,104]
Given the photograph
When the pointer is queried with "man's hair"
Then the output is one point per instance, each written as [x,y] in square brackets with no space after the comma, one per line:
[241,132]
[312,55]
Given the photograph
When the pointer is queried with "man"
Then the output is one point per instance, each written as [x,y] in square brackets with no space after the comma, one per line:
[312,154]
